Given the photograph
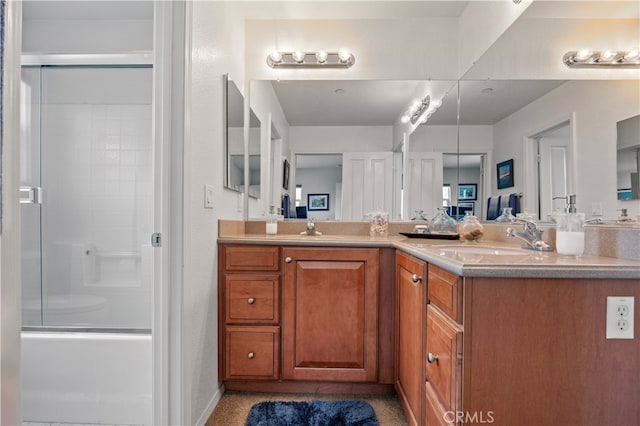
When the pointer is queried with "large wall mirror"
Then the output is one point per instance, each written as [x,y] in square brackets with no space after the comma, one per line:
[517,103]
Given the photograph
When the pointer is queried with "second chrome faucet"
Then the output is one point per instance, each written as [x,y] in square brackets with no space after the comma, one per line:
[531,235]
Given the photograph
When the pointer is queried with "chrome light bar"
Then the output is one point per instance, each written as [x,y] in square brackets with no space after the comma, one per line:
[607,58]
[319,59]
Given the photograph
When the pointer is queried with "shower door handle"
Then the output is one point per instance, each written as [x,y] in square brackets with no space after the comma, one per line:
[30,195]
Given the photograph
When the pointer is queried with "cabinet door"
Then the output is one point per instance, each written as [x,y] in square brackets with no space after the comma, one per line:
[410,331]
[444,358]
[330,319]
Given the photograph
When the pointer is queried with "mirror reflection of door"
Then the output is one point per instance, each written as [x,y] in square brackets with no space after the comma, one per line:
[368,184]
[552,147]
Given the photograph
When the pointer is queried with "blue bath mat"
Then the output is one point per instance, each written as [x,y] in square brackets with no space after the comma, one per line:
[312,413]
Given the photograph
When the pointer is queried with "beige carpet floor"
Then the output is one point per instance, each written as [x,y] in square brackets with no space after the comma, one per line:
[233,408]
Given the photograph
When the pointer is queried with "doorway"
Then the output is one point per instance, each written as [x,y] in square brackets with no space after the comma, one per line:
[551,160]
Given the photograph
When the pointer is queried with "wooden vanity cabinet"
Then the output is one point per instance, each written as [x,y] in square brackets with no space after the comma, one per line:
[410,335]
[306,319]
[249,314]
[330,314]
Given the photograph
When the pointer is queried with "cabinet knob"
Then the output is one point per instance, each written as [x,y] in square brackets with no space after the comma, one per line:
[415,278]
[431,357]
[250,355]
[288,260]
[251,300]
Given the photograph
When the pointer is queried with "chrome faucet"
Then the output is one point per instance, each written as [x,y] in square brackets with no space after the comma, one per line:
[311,228]
[531,235]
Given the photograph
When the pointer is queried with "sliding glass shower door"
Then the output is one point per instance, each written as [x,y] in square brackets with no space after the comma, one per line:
[87,196]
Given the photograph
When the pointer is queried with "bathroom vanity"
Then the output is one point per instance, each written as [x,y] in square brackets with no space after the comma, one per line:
[486,333]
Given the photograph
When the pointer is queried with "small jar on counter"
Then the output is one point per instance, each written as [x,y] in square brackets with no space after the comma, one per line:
[470,229]
[379,224]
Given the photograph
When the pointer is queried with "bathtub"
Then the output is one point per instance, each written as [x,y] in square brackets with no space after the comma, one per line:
[86,377]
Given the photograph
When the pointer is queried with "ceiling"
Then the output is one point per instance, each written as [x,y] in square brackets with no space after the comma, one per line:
[381,102]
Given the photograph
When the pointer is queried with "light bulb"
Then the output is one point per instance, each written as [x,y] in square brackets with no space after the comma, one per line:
[404,119]
[583,54]
[436,103]
[321,56]
[344,55]
[298,56]
[276,56]
[632,55]
[609,55]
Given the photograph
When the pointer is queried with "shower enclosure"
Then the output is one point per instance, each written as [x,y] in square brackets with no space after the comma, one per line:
[87,188]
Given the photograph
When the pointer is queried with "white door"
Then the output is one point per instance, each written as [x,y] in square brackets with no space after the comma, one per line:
[423,183]
[553,154]
[367,183]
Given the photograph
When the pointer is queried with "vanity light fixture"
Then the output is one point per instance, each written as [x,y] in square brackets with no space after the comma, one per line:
[416,110]
[319,59]
[607,58]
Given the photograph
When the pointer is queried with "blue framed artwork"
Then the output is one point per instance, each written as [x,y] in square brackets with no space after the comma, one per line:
[505,174]
[467,192]
[317,202]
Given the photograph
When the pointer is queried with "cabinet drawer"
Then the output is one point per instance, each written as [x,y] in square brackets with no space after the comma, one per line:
[252,352]
[435,412]
[252,298]
[444,357]
[252,258]
[445,292]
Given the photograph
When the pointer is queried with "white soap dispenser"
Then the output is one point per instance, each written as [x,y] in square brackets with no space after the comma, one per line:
[570,233]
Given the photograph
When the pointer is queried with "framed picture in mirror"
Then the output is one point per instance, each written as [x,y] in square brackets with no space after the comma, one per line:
[467,191]
[317,202]
[505,174]
[285,175]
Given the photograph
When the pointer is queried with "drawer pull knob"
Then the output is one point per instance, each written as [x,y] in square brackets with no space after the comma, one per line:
[415,278]
[288,260]
[251,300]
[431,357]
[250,355]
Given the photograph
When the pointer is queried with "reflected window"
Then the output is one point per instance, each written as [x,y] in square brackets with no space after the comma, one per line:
[446,195]
[298,195]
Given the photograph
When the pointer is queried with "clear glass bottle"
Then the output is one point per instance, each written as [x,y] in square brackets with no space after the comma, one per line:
[442,223]
[470,228]
[506,216]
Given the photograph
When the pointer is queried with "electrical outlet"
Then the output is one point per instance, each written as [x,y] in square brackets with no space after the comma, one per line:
[620,317]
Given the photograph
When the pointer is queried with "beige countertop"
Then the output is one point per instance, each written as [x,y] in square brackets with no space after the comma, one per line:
[514,261]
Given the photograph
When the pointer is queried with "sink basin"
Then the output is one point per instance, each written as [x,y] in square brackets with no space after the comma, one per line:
[482,250]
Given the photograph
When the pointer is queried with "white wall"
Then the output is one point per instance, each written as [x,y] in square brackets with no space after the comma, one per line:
[383,48]
[217,43]
[473,139]
[337,139]
[594,144]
